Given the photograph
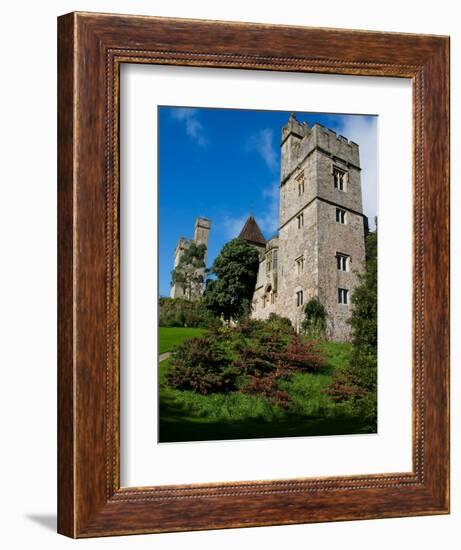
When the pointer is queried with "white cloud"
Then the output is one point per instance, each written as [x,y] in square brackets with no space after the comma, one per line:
[363,130]
[263,143]
[194,128]
[266,214]
[269,220]
[232,225]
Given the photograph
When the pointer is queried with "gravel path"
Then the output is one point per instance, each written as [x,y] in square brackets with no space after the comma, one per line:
[164,356]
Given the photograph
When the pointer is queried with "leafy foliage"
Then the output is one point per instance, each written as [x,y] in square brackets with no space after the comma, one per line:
[202,365]
[187,274]
[268,388]
[264,356]
[315,317]
[252,357]
[186,415]
[179,312]
[356,386]
[236,269]
[267,362]
[266,330]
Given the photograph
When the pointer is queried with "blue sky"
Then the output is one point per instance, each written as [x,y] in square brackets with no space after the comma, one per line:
[224,164]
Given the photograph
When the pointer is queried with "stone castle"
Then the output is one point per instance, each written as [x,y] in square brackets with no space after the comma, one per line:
[201,235]
[320,247]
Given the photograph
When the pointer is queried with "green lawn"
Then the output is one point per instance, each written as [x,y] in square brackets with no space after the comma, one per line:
[169,337]
[188,416]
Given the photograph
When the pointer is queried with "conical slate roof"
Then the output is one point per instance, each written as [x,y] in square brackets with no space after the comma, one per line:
[251,233]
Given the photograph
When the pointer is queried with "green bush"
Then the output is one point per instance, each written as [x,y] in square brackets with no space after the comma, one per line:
[203,366]
[254,357]
[272,328]
[279,324]
[315,317]
[178,312]
[355,388]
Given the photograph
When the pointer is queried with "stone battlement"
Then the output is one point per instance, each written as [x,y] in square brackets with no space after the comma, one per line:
[320,219]
[300,140]
[203,222]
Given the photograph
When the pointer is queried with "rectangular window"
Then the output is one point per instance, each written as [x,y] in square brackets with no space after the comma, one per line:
[300,264]
[339,178]
[268,262]
[343,296]
[299,298]
[342,261]
[340,215]
[275,260]
[300,219]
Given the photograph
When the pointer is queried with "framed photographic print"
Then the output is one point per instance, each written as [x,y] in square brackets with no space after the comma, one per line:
[236,345]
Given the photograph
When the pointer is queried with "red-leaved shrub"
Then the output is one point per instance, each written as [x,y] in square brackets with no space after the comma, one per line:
[266,365]
[202,365]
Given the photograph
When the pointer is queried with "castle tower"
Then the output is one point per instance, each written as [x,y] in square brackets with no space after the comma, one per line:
[201,235]
[292,135]
[202,231]
[321,244]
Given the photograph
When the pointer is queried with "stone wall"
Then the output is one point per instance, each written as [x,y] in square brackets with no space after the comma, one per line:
[310,155]
[201,235]
[347,239]
[298,243]
[265,297]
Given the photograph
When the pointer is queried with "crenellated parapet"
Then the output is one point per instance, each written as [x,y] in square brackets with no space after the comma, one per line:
[299,141]
[320,246]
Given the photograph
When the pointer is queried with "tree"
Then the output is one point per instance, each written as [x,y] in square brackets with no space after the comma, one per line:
[315,316]
[189,273]
[357,384]
[236,270]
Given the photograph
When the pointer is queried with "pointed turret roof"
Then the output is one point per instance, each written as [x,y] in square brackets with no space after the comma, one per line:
[252,233]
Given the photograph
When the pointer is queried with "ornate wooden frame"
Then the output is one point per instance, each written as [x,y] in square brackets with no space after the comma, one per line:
[91,49]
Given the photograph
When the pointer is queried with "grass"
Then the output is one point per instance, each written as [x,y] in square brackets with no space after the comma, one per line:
[338,353]
[169,337]
[188,416]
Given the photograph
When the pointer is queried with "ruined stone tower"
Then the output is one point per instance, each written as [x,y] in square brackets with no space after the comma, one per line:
[320,248]
[201,235]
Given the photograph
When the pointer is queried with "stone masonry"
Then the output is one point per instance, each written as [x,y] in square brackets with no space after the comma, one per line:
[320,247]
[201,235]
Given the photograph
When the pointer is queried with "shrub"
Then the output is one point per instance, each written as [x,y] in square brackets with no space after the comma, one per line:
[270,330]
[255,357]
[203,366]
[266,356]
[281,322]
[279,325]
[268,387]
[249,328]
[315,317]
[268,363]
[178,312]
[256,361]
[356,386]
[303,356]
